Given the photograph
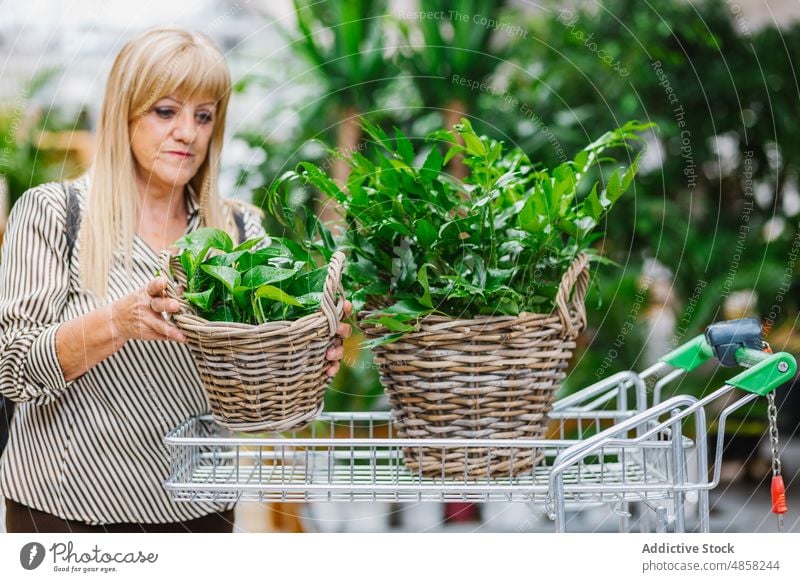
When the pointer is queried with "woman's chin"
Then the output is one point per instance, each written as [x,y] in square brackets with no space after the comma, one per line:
[173,180]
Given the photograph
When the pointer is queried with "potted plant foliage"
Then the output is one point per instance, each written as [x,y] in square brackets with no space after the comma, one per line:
[472,290]
[258,323]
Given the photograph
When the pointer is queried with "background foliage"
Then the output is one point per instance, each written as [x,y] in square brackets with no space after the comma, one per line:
[707,233]
[709,230]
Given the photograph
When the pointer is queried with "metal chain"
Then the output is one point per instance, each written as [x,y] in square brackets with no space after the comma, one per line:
[772,414]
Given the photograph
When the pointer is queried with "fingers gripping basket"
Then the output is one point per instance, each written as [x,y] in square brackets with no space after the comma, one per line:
[487,378]
[268,377]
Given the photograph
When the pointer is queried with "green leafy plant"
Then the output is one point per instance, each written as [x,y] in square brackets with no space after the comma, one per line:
[498,242]
[247,284]
[23,164]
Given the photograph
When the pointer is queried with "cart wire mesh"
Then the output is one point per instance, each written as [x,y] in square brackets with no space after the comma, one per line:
[356,457]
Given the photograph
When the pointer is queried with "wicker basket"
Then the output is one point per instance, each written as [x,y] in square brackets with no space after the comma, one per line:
[487,378]
[268,377]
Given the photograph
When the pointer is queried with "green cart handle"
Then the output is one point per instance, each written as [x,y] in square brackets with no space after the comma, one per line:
[764,373]
[690,355]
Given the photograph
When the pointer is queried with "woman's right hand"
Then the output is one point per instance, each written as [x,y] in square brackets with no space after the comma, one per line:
[138,314]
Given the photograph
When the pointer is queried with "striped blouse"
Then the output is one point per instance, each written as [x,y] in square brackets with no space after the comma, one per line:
[91,449]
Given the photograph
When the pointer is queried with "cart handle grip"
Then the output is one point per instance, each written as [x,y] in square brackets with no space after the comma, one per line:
[690,355]
[765,371]
[724,341]
[696,352]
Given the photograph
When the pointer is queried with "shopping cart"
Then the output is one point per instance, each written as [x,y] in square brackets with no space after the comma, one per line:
[613,443]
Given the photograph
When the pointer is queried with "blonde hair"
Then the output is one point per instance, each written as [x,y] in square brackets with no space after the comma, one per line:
[160,62]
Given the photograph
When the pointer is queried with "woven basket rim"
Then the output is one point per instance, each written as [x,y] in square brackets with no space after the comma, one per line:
[568,309]
[189,319]
[232,328]
[436,323]
[482,318]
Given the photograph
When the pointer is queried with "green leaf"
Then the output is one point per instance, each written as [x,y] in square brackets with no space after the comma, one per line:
[313,175]
[309,282]
[376,133]
[433,165]
[453,231]
[452,152]
[497,276]
[254,258]
[592,205]
[584,226]
[226,275]
[442,136]
[393,324]
[275,294]
[471,140]
[311,299]
[187,264]
[241,295]
[564,189]
[201,300]
[530,220]
[382,341]
[474,144]
[422,278]
[613,190]
[249,243]
[581,161]
[223,313]
[295,249]
[426,233]
[404,147]
[407,308]
[397,227]
[204,239]
[629,175]
[225,259]
[265,275]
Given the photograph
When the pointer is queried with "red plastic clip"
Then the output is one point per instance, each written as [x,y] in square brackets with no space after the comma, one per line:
[778,495]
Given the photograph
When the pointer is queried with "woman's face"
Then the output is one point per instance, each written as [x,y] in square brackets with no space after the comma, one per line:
[170,141]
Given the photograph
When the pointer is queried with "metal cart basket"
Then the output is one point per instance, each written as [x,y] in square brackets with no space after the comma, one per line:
[615,442]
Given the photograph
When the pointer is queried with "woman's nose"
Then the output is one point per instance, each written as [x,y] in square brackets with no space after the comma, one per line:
[183,128]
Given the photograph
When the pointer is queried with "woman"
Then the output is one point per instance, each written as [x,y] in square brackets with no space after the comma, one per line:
[95,393]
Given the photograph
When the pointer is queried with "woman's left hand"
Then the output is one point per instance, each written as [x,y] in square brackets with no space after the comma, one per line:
[336,351]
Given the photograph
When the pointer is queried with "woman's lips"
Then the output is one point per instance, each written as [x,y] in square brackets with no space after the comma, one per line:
[180,154]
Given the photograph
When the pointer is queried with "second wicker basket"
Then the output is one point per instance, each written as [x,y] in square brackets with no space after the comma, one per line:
[488,378]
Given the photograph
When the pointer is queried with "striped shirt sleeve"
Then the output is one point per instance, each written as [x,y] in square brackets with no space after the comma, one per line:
[254,227]
[34,285]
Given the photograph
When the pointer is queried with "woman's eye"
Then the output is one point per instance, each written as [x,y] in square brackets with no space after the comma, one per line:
[164,112]
[205,117]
